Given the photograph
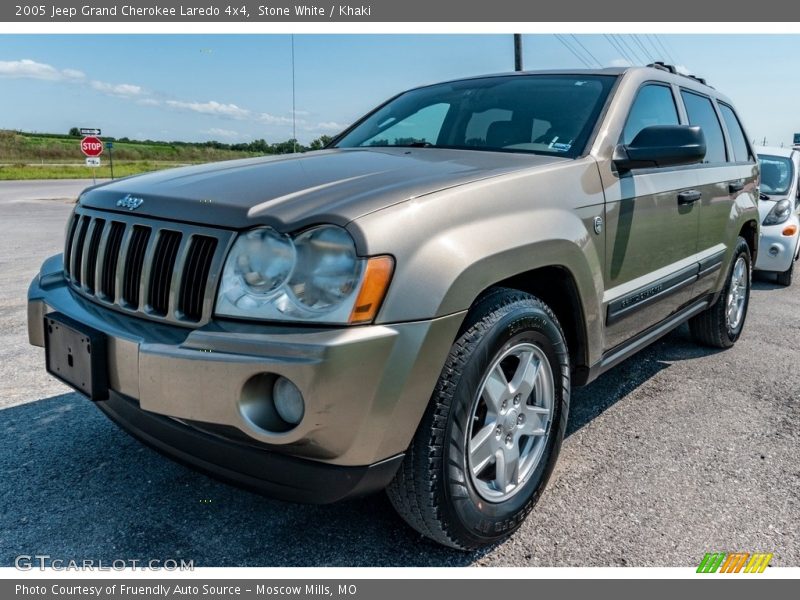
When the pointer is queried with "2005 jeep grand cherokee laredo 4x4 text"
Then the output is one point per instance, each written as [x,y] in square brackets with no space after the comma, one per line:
[410,307]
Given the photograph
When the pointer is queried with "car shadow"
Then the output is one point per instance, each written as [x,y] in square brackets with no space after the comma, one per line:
[77,487]
[765,281]
[589,402]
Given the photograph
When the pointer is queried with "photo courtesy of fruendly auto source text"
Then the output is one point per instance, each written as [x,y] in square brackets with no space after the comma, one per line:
[379,299]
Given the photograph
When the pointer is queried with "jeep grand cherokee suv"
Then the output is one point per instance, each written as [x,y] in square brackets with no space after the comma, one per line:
[409,308]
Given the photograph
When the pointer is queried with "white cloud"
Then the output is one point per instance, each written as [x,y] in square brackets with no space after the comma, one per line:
[329,126]
[275,120]
[211,108]
[30,69]
[620,62]
[73,74]
[223,133]
[117,89]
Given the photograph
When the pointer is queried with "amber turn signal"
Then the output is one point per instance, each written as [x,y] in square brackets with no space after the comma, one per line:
[377,275]
[789,230]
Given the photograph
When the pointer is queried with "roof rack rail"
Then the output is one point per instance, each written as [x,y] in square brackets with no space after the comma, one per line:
[700,79]
[662,66]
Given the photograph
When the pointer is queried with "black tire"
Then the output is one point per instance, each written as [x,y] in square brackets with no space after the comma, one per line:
[785,278]
[433,490]
[711,327]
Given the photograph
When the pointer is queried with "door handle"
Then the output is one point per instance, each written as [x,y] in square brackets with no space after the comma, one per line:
[736,186]
[689,197]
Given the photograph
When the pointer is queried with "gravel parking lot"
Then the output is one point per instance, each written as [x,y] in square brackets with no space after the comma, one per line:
[679,451]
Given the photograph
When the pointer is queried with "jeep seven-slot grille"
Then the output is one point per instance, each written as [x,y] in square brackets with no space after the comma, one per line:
[160,270]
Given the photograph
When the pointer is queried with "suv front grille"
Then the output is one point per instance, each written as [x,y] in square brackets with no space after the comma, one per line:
[160,270]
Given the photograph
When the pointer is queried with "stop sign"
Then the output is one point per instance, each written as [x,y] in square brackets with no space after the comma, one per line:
[91,146]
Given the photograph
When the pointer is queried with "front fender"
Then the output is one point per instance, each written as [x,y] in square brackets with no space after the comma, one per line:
[452,245]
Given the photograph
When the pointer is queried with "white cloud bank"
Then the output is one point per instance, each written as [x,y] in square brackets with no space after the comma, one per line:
[31,69]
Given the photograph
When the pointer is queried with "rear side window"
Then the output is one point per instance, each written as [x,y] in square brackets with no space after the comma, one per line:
[701,112]
[739,148]
[654,105]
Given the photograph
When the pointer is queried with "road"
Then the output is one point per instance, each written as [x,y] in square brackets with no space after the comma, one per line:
[679,451]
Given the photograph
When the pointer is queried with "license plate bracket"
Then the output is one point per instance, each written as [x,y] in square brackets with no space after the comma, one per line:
[76,354]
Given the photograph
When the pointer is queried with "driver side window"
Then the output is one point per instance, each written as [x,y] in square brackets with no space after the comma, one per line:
[654,105]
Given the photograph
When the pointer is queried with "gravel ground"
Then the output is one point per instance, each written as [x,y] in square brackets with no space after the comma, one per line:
[678,451]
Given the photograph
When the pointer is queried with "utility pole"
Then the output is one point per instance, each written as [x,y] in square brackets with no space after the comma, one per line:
[518,52]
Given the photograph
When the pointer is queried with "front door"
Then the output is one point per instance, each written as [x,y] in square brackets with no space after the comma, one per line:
[651,230]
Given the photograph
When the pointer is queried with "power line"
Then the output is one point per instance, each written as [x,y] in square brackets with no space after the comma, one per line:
[641,45]
[657,54]
[618,47]
[664,51]
[664,45]
[577,41]
[630,48]
[574,52]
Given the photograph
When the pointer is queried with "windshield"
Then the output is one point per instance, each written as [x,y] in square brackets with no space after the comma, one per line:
[542,114]
[776,174]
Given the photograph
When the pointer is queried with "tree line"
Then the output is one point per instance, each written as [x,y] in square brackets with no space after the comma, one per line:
[259,146]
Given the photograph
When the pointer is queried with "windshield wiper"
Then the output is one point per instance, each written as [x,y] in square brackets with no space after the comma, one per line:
[763,196]
[413,145]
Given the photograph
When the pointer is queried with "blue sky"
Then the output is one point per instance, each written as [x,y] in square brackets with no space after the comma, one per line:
[238,87]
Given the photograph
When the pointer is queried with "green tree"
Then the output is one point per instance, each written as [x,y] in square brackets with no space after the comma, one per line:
[74,131]
[320,142]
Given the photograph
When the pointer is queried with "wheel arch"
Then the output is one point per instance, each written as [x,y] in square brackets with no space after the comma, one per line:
[556,286]
[749,231]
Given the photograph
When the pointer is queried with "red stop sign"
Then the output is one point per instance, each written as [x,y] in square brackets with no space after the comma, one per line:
[92,146]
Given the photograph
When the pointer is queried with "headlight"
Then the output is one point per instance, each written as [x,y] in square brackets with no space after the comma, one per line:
[314,276]
[779,214]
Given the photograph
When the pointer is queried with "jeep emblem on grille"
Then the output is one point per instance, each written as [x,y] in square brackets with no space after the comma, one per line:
[130,202]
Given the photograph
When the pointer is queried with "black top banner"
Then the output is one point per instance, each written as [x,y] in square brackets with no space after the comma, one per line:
[398,11]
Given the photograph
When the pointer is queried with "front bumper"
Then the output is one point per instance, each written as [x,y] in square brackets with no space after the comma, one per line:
[776,252]
[365,388]
[277,475]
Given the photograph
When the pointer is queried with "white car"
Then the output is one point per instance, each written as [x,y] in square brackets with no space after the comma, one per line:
[779,207]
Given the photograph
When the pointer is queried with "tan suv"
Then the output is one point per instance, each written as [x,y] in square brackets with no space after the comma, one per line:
[410,307]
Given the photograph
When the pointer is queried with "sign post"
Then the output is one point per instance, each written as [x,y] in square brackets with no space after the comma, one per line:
[92,147]
[110,146]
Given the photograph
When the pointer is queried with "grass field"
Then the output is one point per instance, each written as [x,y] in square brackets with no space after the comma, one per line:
[81,171]
[43,156]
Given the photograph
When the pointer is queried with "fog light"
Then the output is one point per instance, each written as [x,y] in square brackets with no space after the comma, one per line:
[288,401]
[774,250]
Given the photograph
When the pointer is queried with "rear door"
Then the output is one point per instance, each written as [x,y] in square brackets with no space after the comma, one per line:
[728,171]
[651,237]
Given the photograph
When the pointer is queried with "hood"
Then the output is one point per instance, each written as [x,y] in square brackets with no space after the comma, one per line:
[292,191]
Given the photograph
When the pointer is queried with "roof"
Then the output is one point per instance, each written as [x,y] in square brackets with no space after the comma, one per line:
[665,71]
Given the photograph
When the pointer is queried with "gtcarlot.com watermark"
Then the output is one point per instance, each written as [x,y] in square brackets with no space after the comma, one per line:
[43,562]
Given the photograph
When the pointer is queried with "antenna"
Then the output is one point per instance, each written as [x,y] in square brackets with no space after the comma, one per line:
[294,111]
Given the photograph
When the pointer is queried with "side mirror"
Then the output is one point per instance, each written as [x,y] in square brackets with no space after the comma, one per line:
[662,146]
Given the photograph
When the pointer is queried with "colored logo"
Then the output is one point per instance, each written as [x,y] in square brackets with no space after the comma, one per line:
[735,562]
